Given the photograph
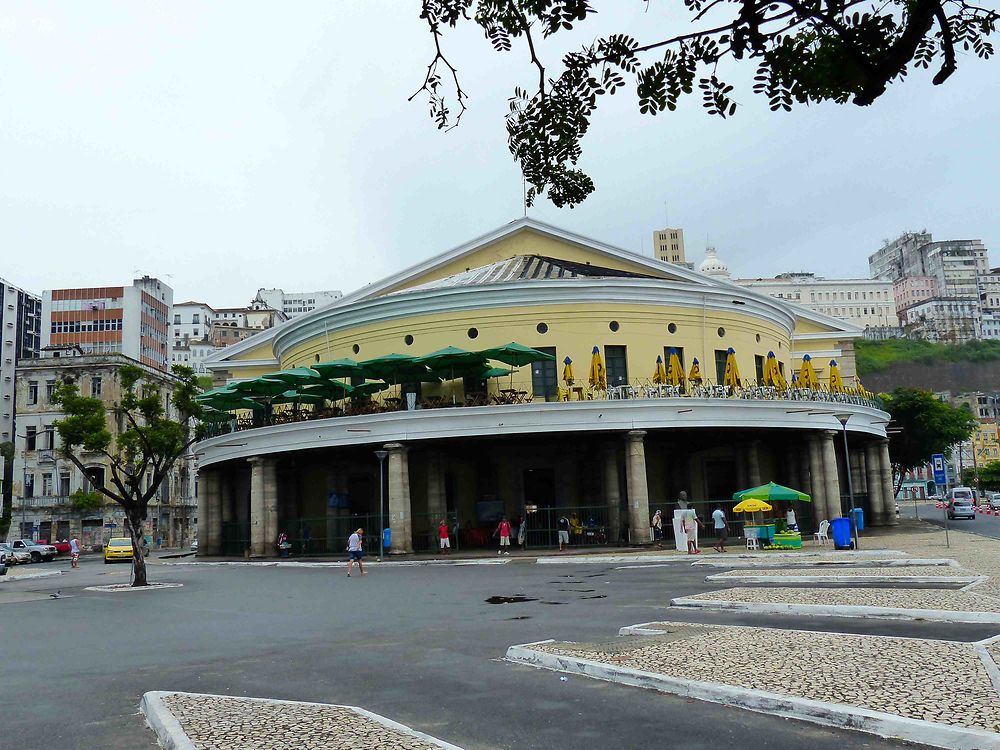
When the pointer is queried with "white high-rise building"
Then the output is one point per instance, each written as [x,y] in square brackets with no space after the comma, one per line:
[20,338]
[296,303]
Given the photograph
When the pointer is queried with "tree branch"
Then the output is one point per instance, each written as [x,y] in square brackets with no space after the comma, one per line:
[947,46]
[430,84]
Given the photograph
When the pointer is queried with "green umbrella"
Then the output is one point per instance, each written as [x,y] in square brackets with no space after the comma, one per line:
[451,359]
[298,397]
[231,402]
[771,492]
[208,395]
[214,415]
[516,354]
[261,387]
[337,368]
[295,376]
[397,368]
[331,389]
[367,389]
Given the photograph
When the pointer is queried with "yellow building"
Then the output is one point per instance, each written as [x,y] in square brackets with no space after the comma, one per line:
[609,457]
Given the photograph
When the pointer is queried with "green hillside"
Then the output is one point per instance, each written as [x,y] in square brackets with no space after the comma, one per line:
[875,356]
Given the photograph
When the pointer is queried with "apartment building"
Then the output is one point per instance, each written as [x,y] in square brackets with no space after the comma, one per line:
[668,246]
[20,338]
[293,304]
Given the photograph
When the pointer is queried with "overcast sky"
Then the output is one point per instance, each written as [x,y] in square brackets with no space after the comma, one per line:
[229,145]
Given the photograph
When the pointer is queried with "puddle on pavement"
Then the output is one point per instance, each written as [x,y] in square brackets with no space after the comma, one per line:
[520,617]
[598,596]
[553,602]
[509,599]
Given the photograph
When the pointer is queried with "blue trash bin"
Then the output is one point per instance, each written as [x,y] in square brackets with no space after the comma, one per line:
[841,530]
[387,538]
[859,518]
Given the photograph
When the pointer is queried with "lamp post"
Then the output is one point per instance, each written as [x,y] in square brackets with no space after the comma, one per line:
[381,502]
[843,419]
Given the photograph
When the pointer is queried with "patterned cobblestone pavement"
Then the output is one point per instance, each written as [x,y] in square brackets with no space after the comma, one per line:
[219,723]
[879,673]
[951,601]
[939,571]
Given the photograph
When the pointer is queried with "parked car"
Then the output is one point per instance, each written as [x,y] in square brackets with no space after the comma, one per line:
[3,563]
[61,547]
[121,549]
[993,500]
[194,545]
[38,552]
[15,556]
[960,504]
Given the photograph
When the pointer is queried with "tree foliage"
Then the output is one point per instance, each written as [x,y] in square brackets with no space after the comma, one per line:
[986,477]
[85,500]
[922,425]
[805,51]
[143,447]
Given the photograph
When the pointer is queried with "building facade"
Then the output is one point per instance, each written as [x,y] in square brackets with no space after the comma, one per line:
[528,446]
[129,320]
[867,303]
[293,304]
[20,324]
[45,481]
[668,246]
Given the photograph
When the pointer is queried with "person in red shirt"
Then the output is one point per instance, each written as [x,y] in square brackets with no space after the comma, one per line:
[443,537]
[503,529]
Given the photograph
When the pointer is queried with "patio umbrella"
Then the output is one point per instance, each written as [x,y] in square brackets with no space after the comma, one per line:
[598,375]
[695,375]
[568,371]
[295,376]
[226,390]
[330,389]
[450,360]
[298,397]
[367,389]
[731,377]
[769,492]
[337,368]
[772,373]
[836,382]
[231,402]
[516,355]
[659,372]
[750,506]
[261,387]
[807,375]
[675,373]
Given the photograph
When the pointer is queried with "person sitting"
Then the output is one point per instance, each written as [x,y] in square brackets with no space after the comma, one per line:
[575,527]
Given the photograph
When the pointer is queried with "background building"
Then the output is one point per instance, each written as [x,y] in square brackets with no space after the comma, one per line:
[297,303]
[668,246]
[20,334]
[44,480]
[131,320]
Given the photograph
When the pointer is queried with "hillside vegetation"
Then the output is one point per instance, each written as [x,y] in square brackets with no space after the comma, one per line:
[875,356]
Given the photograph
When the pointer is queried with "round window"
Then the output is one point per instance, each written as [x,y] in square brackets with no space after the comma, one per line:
[316,358]
[758,338]
[408,340]
[613,325]
[355,348]
[542,328]
[473,333]
[672,328]
[721,332]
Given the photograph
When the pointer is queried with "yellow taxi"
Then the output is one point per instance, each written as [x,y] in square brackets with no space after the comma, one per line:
[118,549]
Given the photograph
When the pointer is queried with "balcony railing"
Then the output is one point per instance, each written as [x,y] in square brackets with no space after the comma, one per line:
[641,390]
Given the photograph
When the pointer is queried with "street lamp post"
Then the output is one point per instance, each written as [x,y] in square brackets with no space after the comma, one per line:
[843,419]
[381,503]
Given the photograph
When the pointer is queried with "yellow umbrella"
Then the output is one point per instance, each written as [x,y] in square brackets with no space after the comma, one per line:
[751,505]
[836,382]
[772,373]
[675,373]
[660,373]
[807,375]
[732,374]
[598,377]
[695,375]
[568,371]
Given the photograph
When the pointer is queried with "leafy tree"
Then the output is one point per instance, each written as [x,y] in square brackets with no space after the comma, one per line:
[144,448]
[84,500]
[805,51]
[7,451]
[989,476]
[924,425]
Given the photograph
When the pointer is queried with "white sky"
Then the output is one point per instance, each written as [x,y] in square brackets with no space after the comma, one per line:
[234,145]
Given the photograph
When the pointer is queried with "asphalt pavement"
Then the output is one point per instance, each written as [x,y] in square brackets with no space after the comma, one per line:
[417,644]
[981,524]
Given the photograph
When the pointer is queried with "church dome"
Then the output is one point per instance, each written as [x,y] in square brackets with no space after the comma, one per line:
[712,265]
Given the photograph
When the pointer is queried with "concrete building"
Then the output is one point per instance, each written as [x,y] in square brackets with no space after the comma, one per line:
[951,320]
[867,303]
[668,246]
[293,304]
[45,481]
[130,320]
[472,450]
[20,338]
[912,290]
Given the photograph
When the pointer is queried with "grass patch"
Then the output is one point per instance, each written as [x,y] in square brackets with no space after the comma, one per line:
[875,356]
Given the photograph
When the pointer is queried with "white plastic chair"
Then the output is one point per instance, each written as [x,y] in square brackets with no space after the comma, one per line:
[751,536]
[821,536]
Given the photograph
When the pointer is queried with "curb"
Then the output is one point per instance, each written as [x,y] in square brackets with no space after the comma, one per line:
[841,716]
[956,580]
[122,588]
[908,562]
[343,563]
[173,737]
[29,576]
[839,610]
[580,559]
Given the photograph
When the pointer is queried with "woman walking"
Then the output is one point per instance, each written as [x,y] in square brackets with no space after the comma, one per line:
[355,551]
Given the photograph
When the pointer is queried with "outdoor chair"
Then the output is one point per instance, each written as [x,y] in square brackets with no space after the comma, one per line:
[751,535]
[821,535]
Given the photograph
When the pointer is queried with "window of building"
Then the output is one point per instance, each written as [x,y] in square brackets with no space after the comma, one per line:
[720,364]
[49,437]
[29,484]
[63,484]
[47,484]
[196,318]
[615,359]
[544,378]
[177,319]
[30,436]
[758,366]
[95,386]
[50,390]
[32,392]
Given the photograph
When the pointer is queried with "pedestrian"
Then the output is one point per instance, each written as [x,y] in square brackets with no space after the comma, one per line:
[657,524]
[443,540]
[790,520]
[503,529]
[721,527]
[691,524]
[74,552]
[159,541]
[563,525]
[355,551]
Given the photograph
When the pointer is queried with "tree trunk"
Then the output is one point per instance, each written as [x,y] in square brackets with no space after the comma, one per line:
[133,522]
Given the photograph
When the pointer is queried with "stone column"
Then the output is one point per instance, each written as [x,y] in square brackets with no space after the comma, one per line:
[831,476]
[816,480]
[753,463]
[888,489]
[399,499]
[270,506]
[437,501]
[612,493]
[638,491]
[873,463]
[227,494]
[208,485]
[258,527]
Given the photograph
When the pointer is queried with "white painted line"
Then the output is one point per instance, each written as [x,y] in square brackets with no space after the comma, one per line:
[818,712]
[839,610]
[604,559]
[29,576]
[122,588]
[764,578]
[342,563]
[978,582]
[908,562]
[172,736]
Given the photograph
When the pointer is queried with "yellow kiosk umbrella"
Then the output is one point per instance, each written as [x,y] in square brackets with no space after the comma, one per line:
[675,373]
[807,375]
[751,505]
[732,375]
[836,382]
[598,376]
[568,371]
[695,375]
[772,373]
[660,372]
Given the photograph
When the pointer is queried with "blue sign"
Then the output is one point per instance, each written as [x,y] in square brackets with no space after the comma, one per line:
[940,474]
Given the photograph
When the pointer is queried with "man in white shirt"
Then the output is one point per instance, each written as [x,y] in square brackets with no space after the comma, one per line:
[720,528]
[355,552]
